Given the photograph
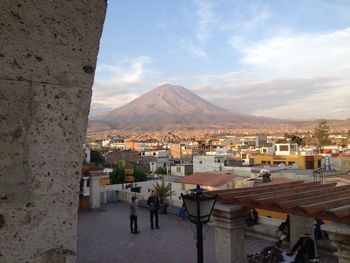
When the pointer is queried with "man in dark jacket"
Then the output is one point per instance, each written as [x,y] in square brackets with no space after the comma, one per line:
[306,252]
[153,205]
[133,216]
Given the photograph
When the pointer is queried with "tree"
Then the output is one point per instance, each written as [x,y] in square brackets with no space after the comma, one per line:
[161,170]
[140,174]
[97,157]
[163,191]
[294,138]
[117,175]
[321,134]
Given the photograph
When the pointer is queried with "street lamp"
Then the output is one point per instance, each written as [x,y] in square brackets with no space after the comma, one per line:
[199,207]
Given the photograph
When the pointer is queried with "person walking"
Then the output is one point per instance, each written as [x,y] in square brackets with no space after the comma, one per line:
[153,206]
[133,216]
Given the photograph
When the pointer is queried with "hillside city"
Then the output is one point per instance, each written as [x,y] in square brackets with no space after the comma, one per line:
[172,163]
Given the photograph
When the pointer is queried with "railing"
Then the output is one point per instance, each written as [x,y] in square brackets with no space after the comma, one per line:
[318,175]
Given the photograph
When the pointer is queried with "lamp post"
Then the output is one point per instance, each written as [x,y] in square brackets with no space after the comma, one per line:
[199,207]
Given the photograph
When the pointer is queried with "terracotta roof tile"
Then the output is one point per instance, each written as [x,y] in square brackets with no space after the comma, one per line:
[207,179]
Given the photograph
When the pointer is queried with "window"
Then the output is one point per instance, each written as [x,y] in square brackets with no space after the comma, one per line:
[284,148]
[178,169]
[200,162]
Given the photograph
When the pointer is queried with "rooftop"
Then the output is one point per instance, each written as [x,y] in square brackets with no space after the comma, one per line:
[105,237]
[207,179]
[313,199]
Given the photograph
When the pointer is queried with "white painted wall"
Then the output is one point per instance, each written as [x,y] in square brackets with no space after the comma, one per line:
[208,163]
[146,188]
[291,148]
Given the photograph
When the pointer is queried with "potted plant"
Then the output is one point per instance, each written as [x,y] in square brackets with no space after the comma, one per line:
[163,191]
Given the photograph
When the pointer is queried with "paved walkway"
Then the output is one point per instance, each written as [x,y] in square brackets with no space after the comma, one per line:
[104,237]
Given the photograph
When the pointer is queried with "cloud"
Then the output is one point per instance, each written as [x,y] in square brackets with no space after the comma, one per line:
[196,51]
[206,18]
[123,73]
[299,55]
[290,98]
[121,82]
[202,24]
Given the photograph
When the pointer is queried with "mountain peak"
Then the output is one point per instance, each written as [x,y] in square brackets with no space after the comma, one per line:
[165,104]
[169,88]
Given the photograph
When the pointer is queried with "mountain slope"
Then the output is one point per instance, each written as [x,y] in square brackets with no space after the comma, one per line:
[170,106]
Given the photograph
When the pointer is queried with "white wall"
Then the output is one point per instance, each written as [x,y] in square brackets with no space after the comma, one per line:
[178,170]
[292,149]
[208,163]
[159,163]
[146,188]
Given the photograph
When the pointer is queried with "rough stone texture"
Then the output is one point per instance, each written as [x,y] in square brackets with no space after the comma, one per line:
[229,231]
[48,55]
[340,234]
[52,41]
[95,196]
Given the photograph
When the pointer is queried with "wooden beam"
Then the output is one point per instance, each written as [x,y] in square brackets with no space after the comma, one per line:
[314,197]
[230,193]
[317,207]
[342,211]
[292,189]
[249,189]
[301,193]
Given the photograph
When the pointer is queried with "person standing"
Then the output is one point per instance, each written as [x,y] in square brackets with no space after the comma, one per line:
[182,212]
[133,216]
[153,206]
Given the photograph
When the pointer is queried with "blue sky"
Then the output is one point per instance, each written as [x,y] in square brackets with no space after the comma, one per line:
[286,59]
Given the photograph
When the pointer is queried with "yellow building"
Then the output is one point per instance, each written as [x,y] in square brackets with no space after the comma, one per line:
[303,161]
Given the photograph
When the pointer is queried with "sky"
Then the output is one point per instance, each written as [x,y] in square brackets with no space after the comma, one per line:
[282,59]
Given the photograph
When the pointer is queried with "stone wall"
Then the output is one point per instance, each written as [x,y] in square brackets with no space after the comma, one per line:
[48,57]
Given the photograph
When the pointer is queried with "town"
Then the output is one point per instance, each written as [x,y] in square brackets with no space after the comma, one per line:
[116,169]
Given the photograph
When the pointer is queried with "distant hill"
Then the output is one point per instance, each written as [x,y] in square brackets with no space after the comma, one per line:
[172,107]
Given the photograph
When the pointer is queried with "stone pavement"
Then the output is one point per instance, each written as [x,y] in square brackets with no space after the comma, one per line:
[104,237]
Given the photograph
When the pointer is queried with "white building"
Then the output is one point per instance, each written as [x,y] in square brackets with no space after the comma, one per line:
[181,169]
[286,148]
[155,153]
[159,162]
[208,163]
[268,149]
